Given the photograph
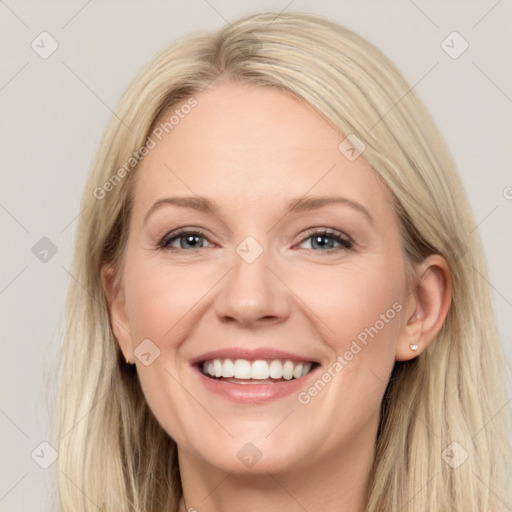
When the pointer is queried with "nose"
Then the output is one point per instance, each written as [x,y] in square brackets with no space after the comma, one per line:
[253,294]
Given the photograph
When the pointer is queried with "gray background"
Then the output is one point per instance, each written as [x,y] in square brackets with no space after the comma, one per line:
[54,110]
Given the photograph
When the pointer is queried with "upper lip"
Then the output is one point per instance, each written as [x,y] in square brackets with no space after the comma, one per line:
[250,355]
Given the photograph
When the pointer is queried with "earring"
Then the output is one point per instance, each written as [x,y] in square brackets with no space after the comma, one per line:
[414,347]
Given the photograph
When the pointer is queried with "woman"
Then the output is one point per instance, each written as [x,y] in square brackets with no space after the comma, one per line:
[278,301]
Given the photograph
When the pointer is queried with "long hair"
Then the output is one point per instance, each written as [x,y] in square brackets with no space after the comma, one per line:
[442,406]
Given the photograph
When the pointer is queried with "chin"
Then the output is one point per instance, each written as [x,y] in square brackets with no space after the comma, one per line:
[256,456]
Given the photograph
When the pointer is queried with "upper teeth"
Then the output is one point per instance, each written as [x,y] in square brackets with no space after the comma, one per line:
[260,369]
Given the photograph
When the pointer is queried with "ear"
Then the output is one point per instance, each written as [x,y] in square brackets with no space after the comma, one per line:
[426,307]
[118,318]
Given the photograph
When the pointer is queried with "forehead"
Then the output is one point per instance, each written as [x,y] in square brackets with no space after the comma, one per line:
[253,147]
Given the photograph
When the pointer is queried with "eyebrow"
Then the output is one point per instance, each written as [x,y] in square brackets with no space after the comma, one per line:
[296,205]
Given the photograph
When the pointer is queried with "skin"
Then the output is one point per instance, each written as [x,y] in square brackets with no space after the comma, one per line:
[252,150]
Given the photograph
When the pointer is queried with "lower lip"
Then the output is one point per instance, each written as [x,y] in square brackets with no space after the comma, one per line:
[253,393]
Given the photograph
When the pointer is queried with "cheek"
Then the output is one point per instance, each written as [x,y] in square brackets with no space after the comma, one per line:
[160,305]
[360,308]
[352,303]
[361,313]
[159,297]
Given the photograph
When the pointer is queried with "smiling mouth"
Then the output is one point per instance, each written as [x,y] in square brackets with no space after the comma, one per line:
[260,371]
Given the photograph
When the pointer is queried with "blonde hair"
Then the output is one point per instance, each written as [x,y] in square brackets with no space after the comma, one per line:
[114,455]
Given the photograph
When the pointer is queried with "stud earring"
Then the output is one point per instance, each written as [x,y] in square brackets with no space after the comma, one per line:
[414,347]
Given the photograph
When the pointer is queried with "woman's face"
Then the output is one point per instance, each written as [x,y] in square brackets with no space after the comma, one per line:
[236,263]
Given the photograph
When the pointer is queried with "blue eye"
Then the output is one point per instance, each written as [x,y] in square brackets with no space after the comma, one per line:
[321,241]
[325,240]
[186,239]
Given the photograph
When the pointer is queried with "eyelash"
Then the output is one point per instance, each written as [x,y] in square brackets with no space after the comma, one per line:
[344,240]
